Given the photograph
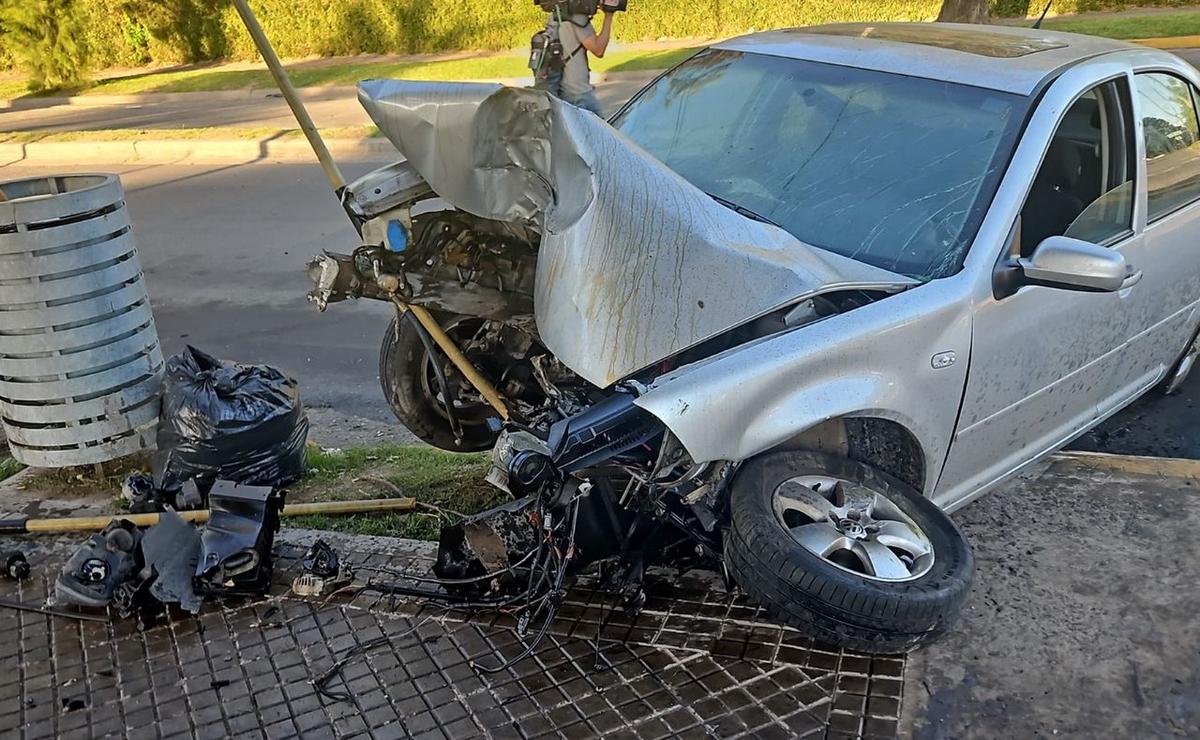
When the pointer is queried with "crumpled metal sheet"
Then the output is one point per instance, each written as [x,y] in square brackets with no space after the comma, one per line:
[635,264]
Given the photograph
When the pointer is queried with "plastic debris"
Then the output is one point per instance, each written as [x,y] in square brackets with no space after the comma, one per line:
[235,547]
[108,559]
[323,572]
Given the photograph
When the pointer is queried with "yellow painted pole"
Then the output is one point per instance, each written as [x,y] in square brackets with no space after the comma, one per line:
[332,173]
[482,384]
[94,523]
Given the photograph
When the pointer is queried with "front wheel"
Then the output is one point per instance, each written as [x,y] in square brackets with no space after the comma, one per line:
[411,388]
[846,553]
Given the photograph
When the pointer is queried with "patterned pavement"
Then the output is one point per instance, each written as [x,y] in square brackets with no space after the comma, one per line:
[698,662]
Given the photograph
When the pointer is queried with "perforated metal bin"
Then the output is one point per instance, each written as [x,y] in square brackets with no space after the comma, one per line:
[80,363]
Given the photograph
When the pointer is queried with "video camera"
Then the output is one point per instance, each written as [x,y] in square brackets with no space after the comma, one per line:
[581,7]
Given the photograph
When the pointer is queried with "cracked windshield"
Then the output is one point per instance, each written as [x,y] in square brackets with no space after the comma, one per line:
[890,170]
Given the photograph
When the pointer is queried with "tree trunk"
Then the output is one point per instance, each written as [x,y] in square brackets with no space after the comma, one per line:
[964,11]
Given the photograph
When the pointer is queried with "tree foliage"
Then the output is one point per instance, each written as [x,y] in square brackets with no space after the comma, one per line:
[46,40]
[192,28]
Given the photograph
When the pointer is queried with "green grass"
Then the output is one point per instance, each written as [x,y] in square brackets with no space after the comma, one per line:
[1154,25]
[9,467]
[481,67]
[12,88]
[450,481]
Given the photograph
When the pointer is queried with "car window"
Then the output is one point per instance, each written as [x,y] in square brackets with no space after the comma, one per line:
[890,170]
[1172,140]
[1084,187]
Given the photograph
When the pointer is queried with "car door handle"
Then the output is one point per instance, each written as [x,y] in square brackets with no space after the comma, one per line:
[1133,278]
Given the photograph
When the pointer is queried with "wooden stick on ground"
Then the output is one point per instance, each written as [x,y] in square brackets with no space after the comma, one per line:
[96,523]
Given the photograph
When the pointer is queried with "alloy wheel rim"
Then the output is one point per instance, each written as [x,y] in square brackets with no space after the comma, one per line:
[853,528]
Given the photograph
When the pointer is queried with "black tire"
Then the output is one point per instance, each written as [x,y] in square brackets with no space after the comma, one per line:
[402,363]
[835,605]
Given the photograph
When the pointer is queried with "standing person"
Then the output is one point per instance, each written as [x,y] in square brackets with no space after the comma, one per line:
[579,38]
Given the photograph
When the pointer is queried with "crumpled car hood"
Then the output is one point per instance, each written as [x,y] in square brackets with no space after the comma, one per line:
[635,263]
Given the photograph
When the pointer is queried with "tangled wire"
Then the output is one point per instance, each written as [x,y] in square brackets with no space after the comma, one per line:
[538,603]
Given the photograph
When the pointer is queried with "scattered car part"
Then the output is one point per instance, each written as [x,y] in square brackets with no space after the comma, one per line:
[138,492]
[489,542]
[91,523]
[323,572]
[235,547]
[170,552]
[241,423]
[93,573]
[16,567]
[142,497]
[321,560]
[846,552]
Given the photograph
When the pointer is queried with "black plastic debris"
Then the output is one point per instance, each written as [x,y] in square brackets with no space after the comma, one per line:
[138,492]
[142,497]
[320,560]
[73,704]
[173,562]
[171,550]
[235,547]
[323,572]
[222,420]
[108,559]
[16,567]
[488,542]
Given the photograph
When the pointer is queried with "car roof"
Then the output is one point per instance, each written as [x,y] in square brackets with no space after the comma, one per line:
[1008,58]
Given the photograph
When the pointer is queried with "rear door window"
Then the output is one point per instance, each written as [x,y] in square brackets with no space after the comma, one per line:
[1167,106]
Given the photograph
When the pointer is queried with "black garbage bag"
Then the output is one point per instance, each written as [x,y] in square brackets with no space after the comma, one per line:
[240,423]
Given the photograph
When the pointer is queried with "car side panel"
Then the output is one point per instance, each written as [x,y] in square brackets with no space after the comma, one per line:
[873,361]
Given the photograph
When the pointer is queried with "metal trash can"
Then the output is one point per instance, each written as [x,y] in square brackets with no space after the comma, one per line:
[80,363]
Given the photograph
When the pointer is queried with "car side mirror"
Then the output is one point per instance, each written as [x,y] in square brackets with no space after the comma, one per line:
[1069,264]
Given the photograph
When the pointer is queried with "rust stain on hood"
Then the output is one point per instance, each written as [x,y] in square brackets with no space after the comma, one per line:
[635,264]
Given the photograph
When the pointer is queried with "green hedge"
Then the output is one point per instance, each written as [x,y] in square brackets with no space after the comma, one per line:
[1016,8]
[135,32]
[138,32]
[307,27]
[1013,8]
